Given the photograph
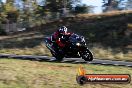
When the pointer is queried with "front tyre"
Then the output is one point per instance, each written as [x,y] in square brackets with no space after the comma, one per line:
[87,55]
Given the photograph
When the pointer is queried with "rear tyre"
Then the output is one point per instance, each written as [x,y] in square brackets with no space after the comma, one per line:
[87,55]
[59,57]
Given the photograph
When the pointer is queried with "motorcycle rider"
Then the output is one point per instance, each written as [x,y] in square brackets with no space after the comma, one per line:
[57,36]
[64,44]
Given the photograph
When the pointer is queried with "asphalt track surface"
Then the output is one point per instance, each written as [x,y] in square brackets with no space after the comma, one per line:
[67,60]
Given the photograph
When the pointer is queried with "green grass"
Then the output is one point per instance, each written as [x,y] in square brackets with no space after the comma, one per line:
[30,43]
[111,54]
[34,74]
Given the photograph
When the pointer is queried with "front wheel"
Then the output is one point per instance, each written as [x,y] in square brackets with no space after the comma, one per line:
[87,55]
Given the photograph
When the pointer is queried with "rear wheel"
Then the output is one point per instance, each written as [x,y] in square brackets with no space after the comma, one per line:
[87,55]
[59,57]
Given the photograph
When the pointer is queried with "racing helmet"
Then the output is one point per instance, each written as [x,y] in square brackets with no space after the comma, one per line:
[62,30]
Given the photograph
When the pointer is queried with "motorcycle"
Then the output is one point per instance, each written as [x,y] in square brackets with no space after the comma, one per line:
[69,47]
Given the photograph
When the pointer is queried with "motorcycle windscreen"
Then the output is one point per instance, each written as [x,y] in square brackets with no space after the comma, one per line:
[76,38]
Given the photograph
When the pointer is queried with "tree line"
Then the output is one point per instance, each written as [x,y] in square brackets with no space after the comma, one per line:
[20,10]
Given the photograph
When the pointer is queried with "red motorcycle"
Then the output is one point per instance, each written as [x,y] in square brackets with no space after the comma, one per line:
[69,47]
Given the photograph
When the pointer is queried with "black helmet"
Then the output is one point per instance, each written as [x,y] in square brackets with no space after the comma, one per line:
[62,30]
